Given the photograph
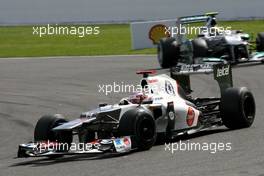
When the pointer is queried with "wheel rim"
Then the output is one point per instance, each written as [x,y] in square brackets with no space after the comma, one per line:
[146,129]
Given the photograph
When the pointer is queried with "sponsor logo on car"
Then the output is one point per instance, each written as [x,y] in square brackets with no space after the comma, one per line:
[171,115]
[127,141]
[157,32]
[122,144]
[158,98]
[169,88]
[223,71]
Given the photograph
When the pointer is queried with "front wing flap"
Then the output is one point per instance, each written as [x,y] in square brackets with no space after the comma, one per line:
[257,56]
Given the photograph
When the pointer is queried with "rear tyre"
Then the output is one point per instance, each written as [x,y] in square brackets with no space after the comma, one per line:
[237,108]
[140,124]
[260,41]
[43,130]
[168,52]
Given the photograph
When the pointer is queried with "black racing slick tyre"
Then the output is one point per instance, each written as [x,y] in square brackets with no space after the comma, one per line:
[43,130]
[260,41]
[237,108]
[141,125]
[168,52]
[200,48]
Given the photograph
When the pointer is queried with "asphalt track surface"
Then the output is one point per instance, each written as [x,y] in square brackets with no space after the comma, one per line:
[30,88]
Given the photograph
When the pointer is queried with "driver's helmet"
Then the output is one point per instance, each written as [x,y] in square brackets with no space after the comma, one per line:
[213,22]
[137,98]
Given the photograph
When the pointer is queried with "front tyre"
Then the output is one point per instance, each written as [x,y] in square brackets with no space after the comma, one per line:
[145,131]
[43,130]
[168,52]
[200,48]
[141,124]
[237,108]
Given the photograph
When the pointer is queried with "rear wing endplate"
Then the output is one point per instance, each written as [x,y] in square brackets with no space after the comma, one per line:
[222,74]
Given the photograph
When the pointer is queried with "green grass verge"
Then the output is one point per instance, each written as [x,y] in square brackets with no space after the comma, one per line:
[18,41]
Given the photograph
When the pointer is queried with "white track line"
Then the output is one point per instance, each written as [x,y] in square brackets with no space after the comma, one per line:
[71,57]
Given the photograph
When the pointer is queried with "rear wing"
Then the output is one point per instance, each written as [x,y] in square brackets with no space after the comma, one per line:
[209,18]
[197,18]
[222,74]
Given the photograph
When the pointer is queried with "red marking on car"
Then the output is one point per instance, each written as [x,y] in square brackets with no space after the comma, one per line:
[146,72]
[126,141]
[94,142]
[190,116]
[153,80]
[177,85]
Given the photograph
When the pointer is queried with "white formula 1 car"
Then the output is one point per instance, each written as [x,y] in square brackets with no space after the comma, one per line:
[161,111]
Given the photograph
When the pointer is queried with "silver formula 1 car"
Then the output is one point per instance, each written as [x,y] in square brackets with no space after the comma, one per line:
[211,44]
[162,110]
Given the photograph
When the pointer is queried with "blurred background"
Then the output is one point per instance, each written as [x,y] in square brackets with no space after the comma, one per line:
[92,11]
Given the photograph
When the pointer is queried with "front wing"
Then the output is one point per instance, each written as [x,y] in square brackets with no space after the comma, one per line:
[100,146]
